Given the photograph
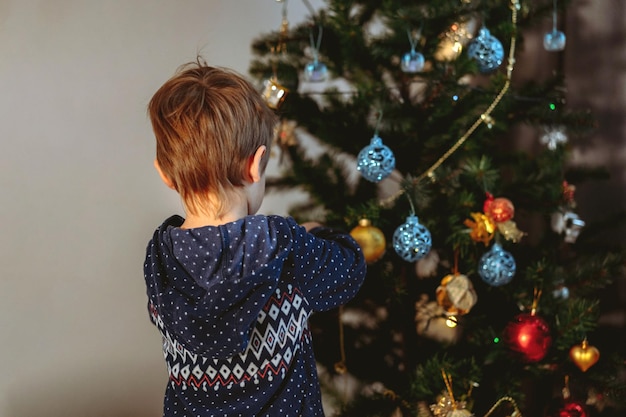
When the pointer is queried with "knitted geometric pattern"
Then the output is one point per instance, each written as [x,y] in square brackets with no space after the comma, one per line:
[281,326]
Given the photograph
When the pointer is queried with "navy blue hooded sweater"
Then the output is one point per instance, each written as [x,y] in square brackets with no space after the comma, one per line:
[232,304]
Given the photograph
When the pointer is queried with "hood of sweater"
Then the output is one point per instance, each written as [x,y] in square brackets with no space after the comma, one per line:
[209,284]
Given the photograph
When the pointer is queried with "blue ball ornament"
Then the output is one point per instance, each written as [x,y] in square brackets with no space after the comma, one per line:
[497,266]
[486,50]
[315,71]
[412,62]
[411,240]
[376,161]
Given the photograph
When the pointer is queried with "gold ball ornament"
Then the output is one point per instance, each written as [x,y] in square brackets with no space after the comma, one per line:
[456,294]
[371,240]
[584,355]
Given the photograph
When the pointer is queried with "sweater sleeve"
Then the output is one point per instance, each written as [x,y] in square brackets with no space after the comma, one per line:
[330,266]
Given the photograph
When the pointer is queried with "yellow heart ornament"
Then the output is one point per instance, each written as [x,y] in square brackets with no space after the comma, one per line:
[584,355]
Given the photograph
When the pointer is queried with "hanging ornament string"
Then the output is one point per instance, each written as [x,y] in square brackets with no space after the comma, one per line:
[536,297]
[485,117]
[413,39]
[315,47]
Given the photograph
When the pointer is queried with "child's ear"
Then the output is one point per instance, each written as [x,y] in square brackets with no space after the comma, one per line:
[254,169]
[164,177]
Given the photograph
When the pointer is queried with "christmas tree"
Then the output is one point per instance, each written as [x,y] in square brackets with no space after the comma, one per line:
[482,293]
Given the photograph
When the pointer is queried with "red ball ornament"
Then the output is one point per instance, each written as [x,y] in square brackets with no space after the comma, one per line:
[573,409]
[529,336]
[499,209]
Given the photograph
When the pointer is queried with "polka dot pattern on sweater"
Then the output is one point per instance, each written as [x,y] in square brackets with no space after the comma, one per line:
[232,304]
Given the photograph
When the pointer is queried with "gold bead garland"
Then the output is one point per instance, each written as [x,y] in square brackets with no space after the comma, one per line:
[485,117]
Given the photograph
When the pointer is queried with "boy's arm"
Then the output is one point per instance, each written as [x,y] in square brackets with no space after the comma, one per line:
[330,265]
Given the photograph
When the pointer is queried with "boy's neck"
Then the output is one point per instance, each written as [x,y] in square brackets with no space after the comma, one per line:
[238,209]
[200,220]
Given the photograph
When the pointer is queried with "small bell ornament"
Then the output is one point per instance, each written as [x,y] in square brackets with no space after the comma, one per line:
[486,50]
[554,40]
[497,266]
[375,161]
[315,71]
[413,61]
[411,240]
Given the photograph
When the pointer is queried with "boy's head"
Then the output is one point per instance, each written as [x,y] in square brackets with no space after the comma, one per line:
[208,123]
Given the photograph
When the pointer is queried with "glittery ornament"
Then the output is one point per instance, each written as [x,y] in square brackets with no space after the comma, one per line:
[528,335]
[497,266]
[376,161]
[412,62]
[584,355]
[567,223]
[482,228]
[371,240]
[486,50]
[274,94]
[499,209]
[553,136]
[411,240]
[315,71]
[456,294]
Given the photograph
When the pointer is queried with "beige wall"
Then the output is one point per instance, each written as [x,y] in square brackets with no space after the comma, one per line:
[78,195]
[79,198]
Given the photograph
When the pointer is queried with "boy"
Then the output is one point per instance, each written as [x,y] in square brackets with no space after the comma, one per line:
[230,290]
